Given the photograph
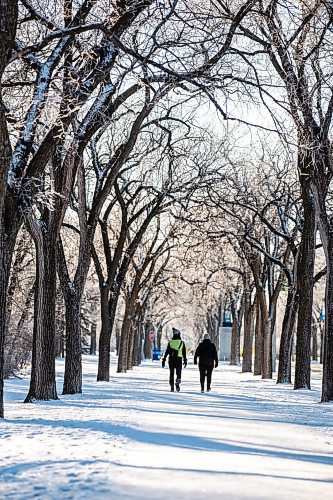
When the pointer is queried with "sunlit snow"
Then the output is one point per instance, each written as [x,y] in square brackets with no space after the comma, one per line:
[133,439]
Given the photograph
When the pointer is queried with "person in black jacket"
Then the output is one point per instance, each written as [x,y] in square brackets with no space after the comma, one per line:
[207,354]
[176,351]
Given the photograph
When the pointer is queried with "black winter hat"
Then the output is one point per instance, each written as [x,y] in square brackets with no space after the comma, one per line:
[175,333]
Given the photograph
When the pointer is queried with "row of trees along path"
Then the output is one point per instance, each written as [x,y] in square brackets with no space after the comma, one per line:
[102,145]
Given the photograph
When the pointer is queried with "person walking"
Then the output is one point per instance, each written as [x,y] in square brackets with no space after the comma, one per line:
[176,351]
[207,354]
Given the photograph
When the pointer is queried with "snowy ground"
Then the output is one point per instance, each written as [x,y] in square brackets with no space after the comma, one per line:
[133,439]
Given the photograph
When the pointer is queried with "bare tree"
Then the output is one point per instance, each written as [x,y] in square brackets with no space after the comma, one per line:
[8,21]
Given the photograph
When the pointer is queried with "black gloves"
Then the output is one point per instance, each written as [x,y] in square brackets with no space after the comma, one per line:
[195,361]
[185,363]
[163,363]
[216,364]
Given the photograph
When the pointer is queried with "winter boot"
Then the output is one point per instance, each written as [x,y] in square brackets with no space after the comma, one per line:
[178,384]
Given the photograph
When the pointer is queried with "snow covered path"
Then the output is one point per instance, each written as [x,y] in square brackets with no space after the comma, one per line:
[133,439]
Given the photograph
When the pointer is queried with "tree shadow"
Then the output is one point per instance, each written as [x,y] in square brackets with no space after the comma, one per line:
[194,443]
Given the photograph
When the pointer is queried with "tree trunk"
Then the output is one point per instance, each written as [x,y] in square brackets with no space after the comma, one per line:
[288,324]
[321,356]
[73,359]
[147,343]
[266,336]
[314,350]
[130,350]
[116,281]
[125,358]
[272,321]
[326,234]
[20,253]
[104,344]
[137,345]
[258,345]
[43,376]
[93,339]
[219,323]
[124,341]
[235,334]
[327,381]
[8,21]
[235,345]
[159,336]
[105,338]
[140,338]
[265,340]
[118,330]
[6,253]
[305,272]
[60,329]
[249,310]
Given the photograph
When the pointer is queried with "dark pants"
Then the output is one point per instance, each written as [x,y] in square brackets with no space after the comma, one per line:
[175,364]
[205,370]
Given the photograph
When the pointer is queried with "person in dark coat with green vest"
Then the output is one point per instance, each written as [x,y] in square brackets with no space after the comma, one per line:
[207,354]
[176,351]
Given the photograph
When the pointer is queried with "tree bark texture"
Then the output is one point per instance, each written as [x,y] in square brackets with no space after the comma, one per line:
[105,341]
[147,346]
[326,233]
[137,345]
[288,324]
[305,273]
[124,341]
[46,233]
[314,344]
[248,325]
[327,381]
[321,356]
[274,293]
[60,333]
[8,22]
[117,338]
[258,344]
[131,346]
[43,377]
[249,321]
[73,359]
[105,338]
[265,336]
[267,371]
[127,332]
[93,339]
